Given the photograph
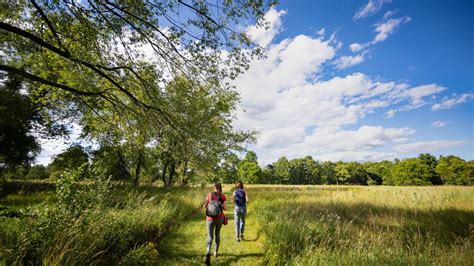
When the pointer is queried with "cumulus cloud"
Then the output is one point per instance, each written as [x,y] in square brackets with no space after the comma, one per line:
[371,8]
[263,35]
[348,61]
[439,123]
[427,146]
[299,113]
[449,103]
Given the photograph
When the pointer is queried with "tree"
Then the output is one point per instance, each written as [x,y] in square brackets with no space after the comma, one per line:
[71,159]
[38,172]
[228,169]
[17,119]
[431,162]
[268,175]
[328,172]
[454,170]
[410,171]
[89,55]
[282,170]
[379,172]
[248,169]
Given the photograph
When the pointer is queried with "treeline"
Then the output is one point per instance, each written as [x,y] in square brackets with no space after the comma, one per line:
[426,169]
[118,163]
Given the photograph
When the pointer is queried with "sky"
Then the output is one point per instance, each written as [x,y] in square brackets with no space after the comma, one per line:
[362,80]
[357,81]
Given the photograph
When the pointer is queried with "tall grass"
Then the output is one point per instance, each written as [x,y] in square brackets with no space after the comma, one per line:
[366,225]
[95,224]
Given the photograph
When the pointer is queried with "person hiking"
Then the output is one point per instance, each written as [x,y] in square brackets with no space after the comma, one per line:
[215,205]
[240,198]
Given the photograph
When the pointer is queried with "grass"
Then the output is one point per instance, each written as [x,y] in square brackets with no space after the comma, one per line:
[186,245]
[93,224]
[292,225]
[367,225]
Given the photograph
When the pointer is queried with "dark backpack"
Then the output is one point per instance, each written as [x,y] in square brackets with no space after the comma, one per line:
[214,207]
[239,197]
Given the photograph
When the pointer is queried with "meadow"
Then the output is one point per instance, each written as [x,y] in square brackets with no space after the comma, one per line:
[293,225]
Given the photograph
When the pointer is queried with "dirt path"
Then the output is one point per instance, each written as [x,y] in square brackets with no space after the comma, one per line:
[186,243]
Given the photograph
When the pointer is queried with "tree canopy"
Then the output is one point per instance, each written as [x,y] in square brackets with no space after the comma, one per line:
[94,55]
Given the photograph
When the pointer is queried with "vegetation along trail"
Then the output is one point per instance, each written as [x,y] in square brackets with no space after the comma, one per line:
[186,244]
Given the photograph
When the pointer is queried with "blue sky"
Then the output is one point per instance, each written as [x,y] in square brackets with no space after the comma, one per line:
[357,81]
[362,80]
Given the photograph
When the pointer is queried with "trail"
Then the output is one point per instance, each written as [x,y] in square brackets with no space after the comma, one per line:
[186,244]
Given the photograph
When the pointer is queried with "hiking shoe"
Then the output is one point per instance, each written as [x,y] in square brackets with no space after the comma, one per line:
[238,239]
[215,254]
[242,237]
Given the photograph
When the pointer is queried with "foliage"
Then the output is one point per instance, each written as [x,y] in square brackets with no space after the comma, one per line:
[95,223]
[454,171]
[248,169]
[410,171]
[89,58]
[17,119]
[38,172]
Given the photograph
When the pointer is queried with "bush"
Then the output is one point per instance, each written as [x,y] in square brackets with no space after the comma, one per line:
[37,172]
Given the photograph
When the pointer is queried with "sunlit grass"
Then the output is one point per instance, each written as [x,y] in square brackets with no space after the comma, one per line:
[366,225]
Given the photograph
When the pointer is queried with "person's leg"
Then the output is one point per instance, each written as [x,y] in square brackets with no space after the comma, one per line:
[218,224]
[243,214]
[210,234]
[237,223]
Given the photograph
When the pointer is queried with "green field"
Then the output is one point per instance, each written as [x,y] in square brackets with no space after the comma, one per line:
[296,225]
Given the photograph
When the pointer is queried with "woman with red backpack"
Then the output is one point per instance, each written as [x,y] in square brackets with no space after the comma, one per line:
[240,198]
[215,205]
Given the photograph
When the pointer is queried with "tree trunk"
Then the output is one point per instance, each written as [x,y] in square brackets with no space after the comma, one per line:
[123,165]
[171,174]
[138,168]
[163,175]
[184,180]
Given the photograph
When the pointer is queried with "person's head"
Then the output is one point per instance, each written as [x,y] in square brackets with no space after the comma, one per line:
[239,185]
[218,187]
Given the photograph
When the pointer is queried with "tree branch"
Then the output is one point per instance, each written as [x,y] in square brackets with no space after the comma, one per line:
[47,82]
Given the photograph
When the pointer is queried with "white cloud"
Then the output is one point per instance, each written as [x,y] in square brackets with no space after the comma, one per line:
[390,113]
[263,35]
[386,28]
[449,103]
[427,146]
[383,30]
[389,13]
[372,7]
[355,47]
[348,61]
[299,111]
[321,32]
[52,147]
[439,123]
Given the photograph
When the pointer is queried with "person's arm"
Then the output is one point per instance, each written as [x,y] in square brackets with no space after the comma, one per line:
[233,197]
[246,197]
[224,206]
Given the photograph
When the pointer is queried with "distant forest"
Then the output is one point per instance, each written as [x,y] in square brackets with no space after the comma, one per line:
[110,163]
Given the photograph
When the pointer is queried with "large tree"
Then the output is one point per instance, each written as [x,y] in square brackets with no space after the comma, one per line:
[454,171]
[93,55]
[17,119]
